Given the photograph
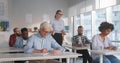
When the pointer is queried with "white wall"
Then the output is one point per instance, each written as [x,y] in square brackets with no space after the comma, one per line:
[38,9]
[74,2]
[4,15]
[118,2]
[17,9]
[4,36]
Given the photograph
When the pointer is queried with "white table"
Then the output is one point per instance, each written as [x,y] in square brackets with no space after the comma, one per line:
[10,49]
[36,56]
[105,52]
[75,48]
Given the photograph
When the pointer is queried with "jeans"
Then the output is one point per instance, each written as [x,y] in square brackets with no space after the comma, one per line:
[108,59]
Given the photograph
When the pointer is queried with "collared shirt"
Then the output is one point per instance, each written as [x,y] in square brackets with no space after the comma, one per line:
[98,44]
[36,41]
[57,25]
[80,39]
[20,42]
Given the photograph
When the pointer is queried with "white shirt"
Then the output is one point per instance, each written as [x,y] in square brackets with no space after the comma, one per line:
[24,42]
[57,25]
[98,44]
[79,40]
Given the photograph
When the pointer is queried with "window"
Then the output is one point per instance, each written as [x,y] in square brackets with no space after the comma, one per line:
[113,17]
[100,17]
[104,3]
[76,23]
[87,24]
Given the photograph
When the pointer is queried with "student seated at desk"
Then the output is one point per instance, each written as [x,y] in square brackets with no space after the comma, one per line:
[101,41]
[14,36]
[80,40]
[43,42]
[22,40]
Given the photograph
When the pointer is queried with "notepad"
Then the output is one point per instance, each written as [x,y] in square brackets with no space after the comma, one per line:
[44,54]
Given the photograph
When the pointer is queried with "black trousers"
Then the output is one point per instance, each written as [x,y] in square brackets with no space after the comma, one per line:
[19,61]
[58,38]
[86,56]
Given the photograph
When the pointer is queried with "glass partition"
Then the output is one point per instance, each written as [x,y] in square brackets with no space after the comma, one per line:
[76,23]
[92,20]
[114,16]
[99,18]
[87,24]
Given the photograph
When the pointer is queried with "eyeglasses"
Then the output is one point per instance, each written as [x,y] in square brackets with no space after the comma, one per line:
[47,32]
[59,14]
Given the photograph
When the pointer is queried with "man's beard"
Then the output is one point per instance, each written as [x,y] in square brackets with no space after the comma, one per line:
[18,34]
[80,34]
[25,38]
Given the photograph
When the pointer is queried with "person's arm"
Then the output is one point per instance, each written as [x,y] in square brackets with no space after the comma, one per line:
[40,51]
[110,43]
[29,48]
[74,41]
[17,43]
[111,46]
[87,41]
[95,44]
[11,41]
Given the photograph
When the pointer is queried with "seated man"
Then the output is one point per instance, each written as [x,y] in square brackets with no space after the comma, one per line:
[43,42]
[14,36]
[80,40]
[22,40]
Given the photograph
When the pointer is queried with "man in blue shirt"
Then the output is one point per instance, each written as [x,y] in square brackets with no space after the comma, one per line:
[43,42]
[22,40]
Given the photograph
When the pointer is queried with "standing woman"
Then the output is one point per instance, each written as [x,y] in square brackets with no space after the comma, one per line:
[58,27]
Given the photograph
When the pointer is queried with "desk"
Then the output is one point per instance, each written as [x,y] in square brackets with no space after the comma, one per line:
[36,56]
[75,48]
[10,49]
[104,52]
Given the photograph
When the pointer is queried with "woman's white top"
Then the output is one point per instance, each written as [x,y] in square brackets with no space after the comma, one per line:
[57,25]
[98,44]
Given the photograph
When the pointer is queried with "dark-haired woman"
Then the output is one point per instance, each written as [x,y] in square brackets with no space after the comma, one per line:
[101,41]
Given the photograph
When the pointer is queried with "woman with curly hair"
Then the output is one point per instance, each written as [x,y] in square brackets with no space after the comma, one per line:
[101,42]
